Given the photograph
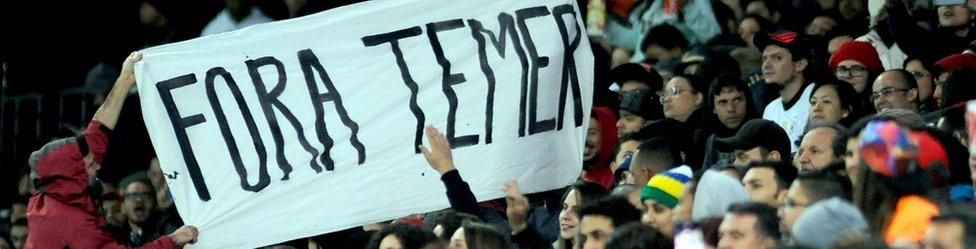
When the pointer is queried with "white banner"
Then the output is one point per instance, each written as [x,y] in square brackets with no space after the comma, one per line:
[311,125]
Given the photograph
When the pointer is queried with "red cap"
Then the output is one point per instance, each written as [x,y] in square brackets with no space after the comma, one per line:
[859,51]
[957,61]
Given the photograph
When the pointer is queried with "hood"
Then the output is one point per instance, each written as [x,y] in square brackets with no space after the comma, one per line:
[598,169]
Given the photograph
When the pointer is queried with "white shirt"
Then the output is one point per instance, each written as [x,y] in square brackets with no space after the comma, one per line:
[794,120]
[223,22]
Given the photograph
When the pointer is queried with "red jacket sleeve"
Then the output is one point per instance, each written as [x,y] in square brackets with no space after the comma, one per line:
[96,136]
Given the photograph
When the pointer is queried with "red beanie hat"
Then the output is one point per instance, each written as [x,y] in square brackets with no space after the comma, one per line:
[859,51]
[957,61]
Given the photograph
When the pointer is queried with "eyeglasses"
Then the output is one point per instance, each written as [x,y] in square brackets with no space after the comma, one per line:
[673,91]
[852,70]
[885,93]
[919,75]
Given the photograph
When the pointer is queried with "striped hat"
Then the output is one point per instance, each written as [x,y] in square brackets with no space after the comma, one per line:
[665,188]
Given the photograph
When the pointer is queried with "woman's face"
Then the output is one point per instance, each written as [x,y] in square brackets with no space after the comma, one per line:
[659,217]
[853,72]
[679,99]
[825,106]
[568,221]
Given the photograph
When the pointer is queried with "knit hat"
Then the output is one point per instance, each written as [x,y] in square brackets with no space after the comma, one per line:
[910,161]
[956,61]
[888,149]
[716,191]
[665,188]
[858,51]
[821,224]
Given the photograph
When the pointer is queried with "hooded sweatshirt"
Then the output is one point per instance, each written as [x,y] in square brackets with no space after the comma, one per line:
[598,169]
[63,214]
[715,193]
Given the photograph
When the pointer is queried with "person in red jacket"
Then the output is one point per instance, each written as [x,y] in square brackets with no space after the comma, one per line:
[63,213]
[601,137]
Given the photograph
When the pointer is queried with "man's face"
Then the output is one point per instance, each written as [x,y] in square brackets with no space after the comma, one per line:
[629,123]
[778,66]
[953,15]
[891,92]
[944,235]
[816,151]
[761,184]
[925,79]
[730,107]
[738,231]
[593,137]
[113,212]
[796,201]
[595,230]
[139,202]
[18,234]
[659,217]
[744,157]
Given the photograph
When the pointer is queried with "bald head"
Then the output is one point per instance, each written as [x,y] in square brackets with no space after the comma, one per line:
[817,149]
[895,89]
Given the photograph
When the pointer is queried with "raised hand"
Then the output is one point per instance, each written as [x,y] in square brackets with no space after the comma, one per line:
[439,155]
[518,207]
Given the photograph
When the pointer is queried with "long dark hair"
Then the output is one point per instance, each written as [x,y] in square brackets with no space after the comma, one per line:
[587,192]
[849,100]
